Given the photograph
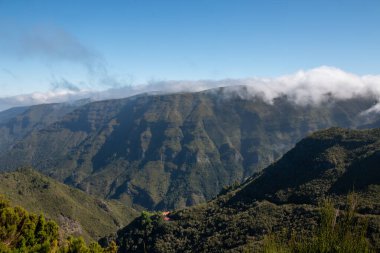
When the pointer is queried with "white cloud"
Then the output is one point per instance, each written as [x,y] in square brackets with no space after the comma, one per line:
[57,96]
[303,87]
[316,85]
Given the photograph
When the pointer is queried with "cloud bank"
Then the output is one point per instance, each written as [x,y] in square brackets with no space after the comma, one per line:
[316,85]
[303,87]
[57,96]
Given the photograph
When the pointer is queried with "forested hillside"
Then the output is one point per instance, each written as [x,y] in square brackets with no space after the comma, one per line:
[298,202]
[16,123]
[176,150]
[76,212]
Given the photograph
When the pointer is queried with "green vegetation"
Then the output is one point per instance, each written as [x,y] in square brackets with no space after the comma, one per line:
[344,233]
[279,209]
[16,123]
[76,212]
[78,245]
[21,231]
[172,151]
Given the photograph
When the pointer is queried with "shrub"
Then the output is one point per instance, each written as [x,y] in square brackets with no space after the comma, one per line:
[21,231]
[339,232]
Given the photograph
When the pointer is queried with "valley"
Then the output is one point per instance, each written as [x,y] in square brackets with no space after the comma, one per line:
[176,150]
[224,166]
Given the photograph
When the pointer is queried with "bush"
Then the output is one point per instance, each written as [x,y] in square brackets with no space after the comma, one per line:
[339,231]
[21,231]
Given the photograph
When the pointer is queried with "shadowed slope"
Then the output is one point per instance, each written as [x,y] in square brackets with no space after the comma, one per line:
[171,151]
[283,198]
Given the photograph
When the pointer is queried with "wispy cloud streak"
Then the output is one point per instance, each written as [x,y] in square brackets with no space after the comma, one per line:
[51,44]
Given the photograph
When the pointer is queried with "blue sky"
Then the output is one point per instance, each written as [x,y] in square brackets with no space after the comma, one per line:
[96,44]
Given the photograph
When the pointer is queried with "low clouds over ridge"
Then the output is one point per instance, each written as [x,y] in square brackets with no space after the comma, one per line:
[313,86]
[52,44]
[303,87]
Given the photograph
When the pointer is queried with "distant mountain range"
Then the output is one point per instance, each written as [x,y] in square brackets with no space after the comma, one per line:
[284,197]
[165,151]
[16,123]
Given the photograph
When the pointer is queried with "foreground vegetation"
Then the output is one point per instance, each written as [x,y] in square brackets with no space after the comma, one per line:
[343,232]
[287,195]
[76,212]
[21,231]
[340,233]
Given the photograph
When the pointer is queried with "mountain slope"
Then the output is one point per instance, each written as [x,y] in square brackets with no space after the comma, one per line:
[16,123]
[11,113]
[75,211]
[328,162]
[171,151]
[284,197]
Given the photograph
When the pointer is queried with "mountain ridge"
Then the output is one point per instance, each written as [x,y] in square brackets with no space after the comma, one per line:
[171,151]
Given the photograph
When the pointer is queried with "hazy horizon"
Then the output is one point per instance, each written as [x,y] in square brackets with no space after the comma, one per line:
[312,86]
[60,51]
